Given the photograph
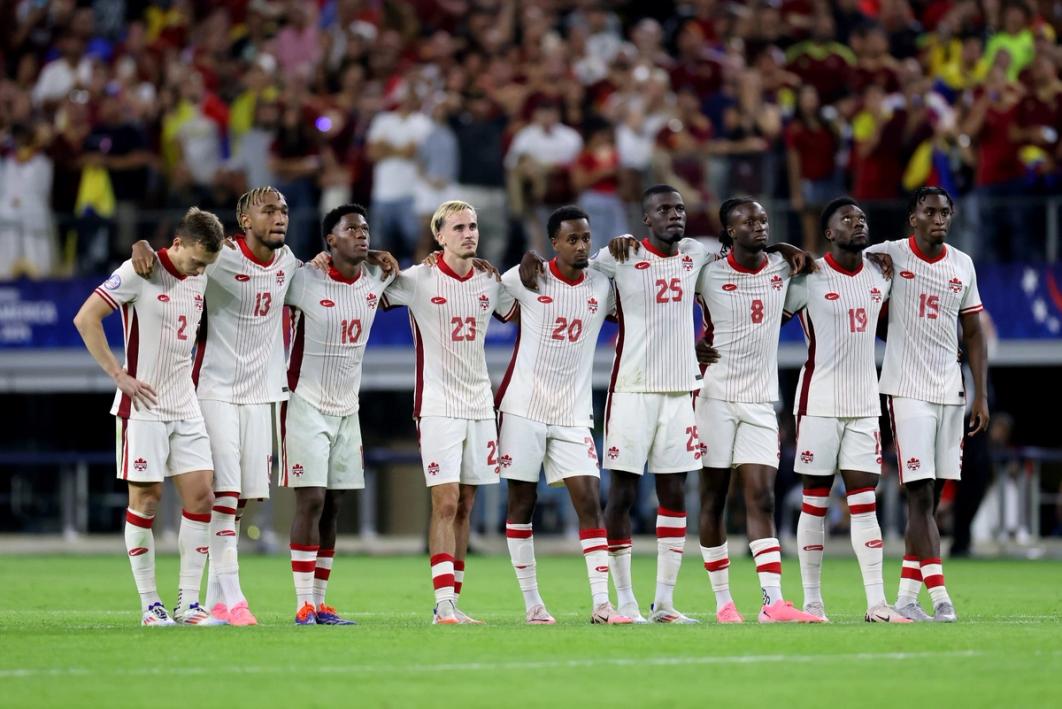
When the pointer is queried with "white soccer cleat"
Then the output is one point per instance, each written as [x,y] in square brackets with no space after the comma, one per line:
[156,615]
[944,613]
[914,612]
[196,615]
[884,613]
[669,615]
[631,611]
[465,619]
[444,614]
[538,615]
[605,614]
[817,609]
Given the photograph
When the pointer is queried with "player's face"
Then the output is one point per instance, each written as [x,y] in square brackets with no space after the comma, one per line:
[459,234]
[572,243]
[191,258]
[848,228]
[349,238]
[268,220]
[748,226]
[931,218]
[665,215]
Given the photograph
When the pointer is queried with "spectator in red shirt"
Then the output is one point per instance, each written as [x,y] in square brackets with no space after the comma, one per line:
[595,178]
[811,143]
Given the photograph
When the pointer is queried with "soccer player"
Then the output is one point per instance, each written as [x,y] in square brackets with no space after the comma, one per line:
[742,297]
[935,292]
[449,307]
[545,411]
[160,427]
[333,310]
[836,403]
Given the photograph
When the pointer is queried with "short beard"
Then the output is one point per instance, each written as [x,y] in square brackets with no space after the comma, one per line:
[667,238]
[853,248]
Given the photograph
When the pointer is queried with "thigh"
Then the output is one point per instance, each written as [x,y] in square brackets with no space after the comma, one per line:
[951,433]
[189,447]
[346,462]
[522,447]
[676,448]
[818,445]
[914,429]
[442,442]
[222,423]
[256,450]
[304,457]
[629,430]
[861,445]
[479,460]
[756,440]
[570,452]
[716,427]
[143,449]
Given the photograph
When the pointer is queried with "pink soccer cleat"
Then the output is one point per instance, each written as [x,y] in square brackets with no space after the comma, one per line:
[538,615]
[605,614]
[220,613]
[240,614]
[728,614]
[782,611]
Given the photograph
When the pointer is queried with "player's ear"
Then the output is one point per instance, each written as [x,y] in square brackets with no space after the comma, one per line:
[911,219]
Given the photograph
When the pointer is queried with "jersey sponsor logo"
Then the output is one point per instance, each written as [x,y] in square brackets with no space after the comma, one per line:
[242,277]
[328,303]
[642,265]
[955,285]
[601,569]
[280,278]
[613,453]
[777,282]
[198,302]
[163,298]
[297,470]
[371,300]
[506,460]
[140,465]
[875,295]
[687,262]
[113,282]
[906,274]
[728,287]
[137,551]
[874,544]
[438,300]
[484,301]
[813,547]
[433,468]
[226,533]
[914,464]
[591,305]
[832,296]
[544,299]
[807,457]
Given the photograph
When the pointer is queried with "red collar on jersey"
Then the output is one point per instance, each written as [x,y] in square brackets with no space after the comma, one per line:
[337,276]
[164,259]
[560,276]
[841,269]
[653,250]
[913,243]
[741,269]
[442,265]
[242,243]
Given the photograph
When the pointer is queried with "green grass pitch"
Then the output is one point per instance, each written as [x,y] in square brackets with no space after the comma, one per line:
[69,637]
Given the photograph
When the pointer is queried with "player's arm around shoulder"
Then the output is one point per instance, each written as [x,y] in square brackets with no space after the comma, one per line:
[604,262]
[402,290]
[509,290]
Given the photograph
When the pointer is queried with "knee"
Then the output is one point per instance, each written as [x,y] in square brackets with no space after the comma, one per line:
[760,500]
[311,502]
[200,501]
[622,495]
[920,496]
[463,510]
[445,508]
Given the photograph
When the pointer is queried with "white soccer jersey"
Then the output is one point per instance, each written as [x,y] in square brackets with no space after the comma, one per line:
[160,315]
[241,344]
[449,316]
[654,307]
[838,310]
[332,317]
[548,379]
[928,296]
[742,315]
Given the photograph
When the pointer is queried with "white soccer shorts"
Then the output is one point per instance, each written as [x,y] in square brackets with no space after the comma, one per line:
[241,442]
[527,447]
[149,451]
[320,450]
[826,445]
[737,433]
[458,450]
[656,428]
[929,439]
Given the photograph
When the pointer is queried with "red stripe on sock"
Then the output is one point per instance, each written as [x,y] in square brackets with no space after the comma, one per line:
[775,567]
[599,547]
[670,532]
[665,512]
[326,552]
[195,517]
[908,573]
[138,521]
[226,494]
[459,564]
[910,558]
[303,567]
[930,561]
[304,547]
[439,558]
[322,573]
[224,510]
[457,587]
[592,533]
[862,509]
[518,533]
[718,565]
[934,580]
[442,580]
[813,510]
[767,551]
[859,490]
[817,491]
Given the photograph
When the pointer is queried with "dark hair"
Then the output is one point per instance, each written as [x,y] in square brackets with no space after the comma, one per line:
[657,189]
[724,217]
[920,195]
[332,218]
[200,227]
[833,206]
[564,214]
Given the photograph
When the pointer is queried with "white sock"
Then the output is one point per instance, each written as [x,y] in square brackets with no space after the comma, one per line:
[140,544]
[459,578]
[521,541]
[442,577]
[193,541]
[811,535]
[221,586]
[717,564]
[933,577]
[619,565]
[236,592]
[910,581]
[867,543]
[303,565]
[670,546]
[325,559]
[595,554]
[767,553]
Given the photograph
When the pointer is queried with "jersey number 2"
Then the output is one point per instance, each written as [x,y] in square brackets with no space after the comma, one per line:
[182,323]
[573,328]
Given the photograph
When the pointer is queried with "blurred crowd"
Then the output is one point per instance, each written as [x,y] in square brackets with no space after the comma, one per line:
[115,113]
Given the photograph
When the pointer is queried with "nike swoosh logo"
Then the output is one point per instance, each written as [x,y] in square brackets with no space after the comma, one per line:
[882,618]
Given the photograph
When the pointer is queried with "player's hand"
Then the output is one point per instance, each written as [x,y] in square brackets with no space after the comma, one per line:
[321,261]
[229,242]
[620,247]
[531,267]
[384,260]
[431,259]
[706,354]
[482,264]
[142,395]
[799,261]
[143,258]
[979,416]
[883,262]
